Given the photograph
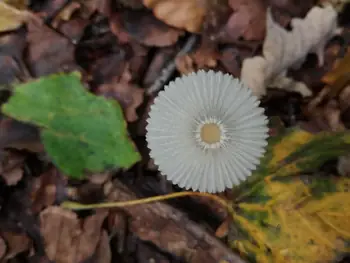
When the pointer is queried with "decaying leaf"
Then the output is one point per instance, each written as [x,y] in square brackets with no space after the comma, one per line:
[103,251]
[3,247]
[18,4]
[16,243]
[47,189]
[11,168]
[44,44]
[245,21]
[290,217]
[152,33]
[297,222]
[191,15]
[205,57]
[186,14]
[80,131]
[340,72]
[18,135]
[283,50]
[68,239]
[11,18]
[129,95]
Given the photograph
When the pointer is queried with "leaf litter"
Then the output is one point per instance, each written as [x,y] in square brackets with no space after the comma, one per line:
[293,209]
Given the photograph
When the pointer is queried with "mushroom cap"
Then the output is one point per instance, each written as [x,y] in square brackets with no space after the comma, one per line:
[206,131]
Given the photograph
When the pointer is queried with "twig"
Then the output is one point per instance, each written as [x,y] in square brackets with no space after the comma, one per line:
[169,69]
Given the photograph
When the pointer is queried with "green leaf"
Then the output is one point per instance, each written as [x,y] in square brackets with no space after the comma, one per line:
[80,131]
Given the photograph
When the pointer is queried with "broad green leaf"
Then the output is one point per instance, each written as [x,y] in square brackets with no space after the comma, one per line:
[288,217]
[80,131]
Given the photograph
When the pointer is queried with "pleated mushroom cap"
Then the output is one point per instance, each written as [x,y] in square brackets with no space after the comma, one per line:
[206,131]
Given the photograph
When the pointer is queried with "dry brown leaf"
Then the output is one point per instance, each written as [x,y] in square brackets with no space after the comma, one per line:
[184,14]
[47,188]
[152,32]
[91,6]
[66,13]
[3,248]
[68,239]
[103,251]
[48,52]
[15,134]
[205,57]
[11,168]
[16,243]
[246,21]
[130,96]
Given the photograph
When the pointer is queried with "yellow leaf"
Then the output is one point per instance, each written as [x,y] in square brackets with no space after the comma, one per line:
[298,223]
[341,70]
[10,17]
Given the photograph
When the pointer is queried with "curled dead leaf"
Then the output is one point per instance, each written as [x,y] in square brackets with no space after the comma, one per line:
[16,243]
[129,95]
[185,14]
[11,168]
[247,21]
[44,44]
[68,239]
[205,57]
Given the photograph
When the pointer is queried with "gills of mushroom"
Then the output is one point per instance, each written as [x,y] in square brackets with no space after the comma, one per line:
[206,131]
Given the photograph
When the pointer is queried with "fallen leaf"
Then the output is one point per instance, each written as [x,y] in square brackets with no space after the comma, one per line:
[74,28]
[339,72]
[223,230]
[11,18]
[134,4]
[186,14]
[299,223]
[47,10]
[129,95]
[48,188]
[3,247]
[66,13]
[152,33]
[287,217]
[48,51]
[16,243]
[245,21]
[108,67]
[11,167]
[91,6]
[191,15]
[284,49]
[103,251]
[68,239]
[18,4]
[12,46]
[231,58]
[205,57]
[18,135]
[81,132]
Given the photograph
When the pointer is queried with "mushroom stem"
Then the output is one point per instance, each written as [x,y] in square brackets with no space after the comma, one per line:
[79,206]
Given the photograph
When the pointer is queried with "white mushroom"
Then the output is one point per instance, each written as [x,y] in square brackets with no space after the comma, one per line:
[206,131]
